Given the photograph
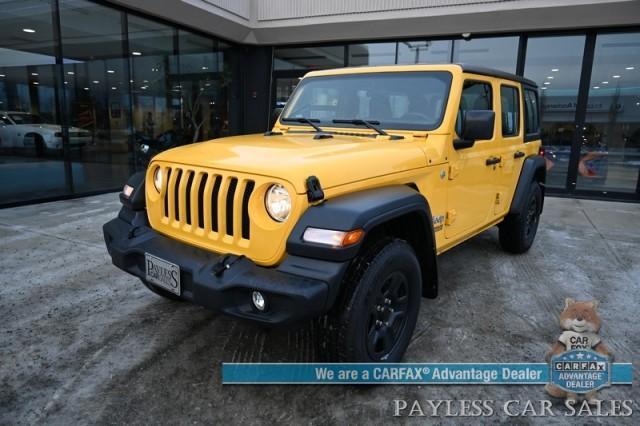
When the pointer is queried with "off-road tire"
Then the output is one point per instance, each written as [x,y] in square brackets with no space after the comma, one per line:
[518,231]
[351,327]
[161,292]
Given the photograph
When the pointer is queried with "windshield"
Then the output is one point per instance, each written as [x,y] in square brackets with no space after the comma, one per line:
[26,118]
[397,100]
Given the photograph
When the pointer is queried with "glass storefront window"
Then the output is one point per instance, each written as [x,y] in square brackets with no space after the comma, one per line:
[372,54]
[424,52]
[156,88]
[308,58]
[610,145]
[203,88]
[96,90]
[499,53]
[31,150]
[555,63]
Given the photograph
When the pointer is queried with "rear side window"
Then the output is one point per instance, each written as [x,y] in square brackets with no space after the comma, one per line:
[531,111]
[510,111]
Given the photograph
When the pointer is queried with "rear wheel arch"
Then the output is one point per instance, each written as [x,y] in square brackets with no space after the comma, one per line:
[533,170]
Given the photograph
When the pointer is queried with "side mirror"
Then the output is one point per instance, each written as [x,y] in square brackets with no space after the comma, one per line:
[476,125]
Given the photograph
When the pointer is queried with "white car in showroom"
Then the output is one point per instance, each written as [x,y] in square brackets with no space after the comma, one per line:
[26,130]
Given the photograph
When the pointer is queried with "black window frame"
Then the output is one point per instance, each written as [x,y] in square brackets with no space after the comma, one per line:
[518,112]
[536,135]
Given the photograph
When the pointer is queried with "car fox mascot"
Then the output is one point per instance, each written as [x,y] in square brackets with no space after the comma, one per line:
[580,324]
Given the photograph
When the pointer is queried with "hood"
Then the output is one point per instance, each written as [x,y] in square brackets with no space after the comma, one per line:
[294,157]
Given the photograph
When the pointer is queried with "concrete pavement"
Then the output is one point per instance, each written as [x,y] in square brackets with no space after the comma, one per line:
[82,342]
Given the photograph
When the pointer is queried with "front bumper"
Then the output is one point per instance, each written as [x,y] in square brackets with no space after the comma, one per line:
[298,289]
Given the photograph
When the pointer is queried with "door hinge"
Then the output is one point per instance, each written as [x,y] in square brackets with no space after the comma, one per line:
[454,171]
[451,217]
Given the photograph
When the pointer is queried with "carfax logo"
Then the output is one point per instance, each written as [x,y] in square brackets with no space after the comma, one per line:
[580,371]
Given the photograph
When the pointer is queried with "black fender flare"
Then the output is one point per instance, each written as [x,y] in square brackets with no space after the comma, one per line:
[534,169]
[367,210]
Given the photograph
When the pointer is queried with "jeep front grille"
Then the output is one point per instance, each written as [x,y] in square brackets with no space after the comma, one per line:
[207,203]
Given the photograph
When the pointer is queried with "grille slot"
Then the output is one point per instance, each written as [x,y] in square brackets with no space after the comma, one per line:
[176,196]
[233,184]
[203,183]
[208,205]
[188,197]
[246,223]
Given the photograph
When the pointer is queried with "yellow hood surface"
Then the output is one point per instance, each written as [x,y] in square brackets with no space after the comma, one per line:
[295,156]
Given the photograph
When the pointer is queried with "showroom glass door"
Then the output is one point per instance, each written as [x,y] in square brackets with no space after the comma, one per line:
[555,63]
[609,148]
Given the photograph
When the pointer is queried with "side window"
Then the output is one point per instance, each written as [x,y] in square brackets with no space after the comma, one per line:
[532,120]
[4,120]
[510,111]
[476,95]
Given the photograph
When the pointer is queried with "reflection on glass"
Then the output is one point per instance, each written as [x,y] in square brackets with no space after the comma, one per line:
[31,162]
[372,54]
[203,88]
[555,64]
[156,88]
[308,58]
[610,146]
[424,52]
[97,94]
[496,52]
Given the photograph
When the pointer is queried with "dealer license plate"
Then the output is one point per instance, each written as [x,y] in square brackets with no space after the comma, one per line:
[162,273]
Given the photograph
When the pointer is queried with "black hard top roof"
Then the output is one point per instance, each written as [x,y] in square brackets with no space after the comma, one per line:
[474,69]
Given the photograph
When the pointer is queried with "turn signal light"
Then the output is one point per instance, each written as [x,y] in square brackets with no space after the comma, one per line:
[329,237]
[127,190]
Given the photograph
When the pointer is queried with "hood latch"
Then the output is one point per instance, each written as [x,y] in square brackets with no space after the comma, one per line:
[314,189]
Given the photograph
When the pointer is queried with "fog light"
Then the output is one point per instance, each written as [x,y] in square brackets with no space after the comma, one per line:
[259,301]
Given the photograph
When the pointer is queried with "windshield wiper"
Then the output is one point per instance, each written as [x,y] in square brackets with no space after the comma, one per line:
[371,124]
[321,134]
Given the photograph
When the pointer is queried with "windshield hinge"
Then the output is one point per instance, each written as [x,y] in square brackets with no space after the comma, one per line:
[420,134]
[314,189]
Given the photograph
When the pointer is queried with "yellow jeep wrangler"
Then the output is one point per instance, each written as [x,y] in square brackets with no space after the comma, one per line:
[340,211]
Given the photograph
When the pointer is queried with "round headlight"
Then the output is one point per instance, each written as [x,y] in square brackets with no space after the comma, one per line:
[157,179]
[278,203]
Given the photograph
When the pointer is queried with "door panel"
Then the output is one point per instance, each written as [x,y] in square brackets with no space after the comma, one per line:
[471,188]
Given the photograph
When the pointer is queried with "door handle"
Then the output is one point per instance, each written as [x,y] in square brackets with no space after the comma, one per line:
[518,154]
[492,161]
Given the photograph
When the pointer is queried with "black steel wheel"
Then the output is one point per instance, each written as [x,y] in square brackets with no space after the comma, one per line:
[375,316]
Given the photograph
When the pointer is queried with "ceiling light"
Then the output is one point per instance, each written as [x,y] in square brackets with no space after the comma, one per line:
[86,88]
[605,82]
[550,77]
[29,30]
[630,68]
[113,88]
[2,75]
[543,88]
[615,76]
[66,82]
[547,82]
[95,82]
[596,87]
[70,72]
[205,68]
[555,69]
[111,71]
[136,53]
[130,81]
[36,83]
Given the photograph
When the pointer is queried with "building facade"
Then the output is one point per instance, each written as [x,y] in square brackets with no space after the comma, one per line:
[90,90]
